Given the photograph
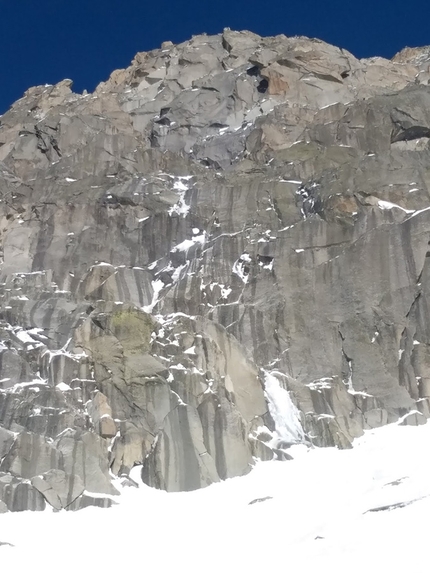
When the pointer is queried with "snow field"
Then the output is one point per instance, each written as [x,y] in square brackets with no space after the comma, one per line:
[317,518]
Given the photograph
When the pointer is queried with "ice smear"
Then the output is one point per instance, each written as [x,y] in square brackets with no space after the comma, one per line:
[283,411]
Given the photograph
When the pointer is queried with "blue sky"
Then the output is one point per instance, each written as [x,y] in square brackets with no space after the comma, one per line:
[45,41]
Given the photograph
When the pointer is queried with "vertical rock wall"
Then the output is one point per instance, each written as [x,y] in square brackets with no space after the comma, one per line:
[221,251]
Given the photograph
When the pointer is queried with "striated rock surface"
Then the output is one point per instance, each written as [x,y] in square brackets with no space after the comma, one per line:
[221,251]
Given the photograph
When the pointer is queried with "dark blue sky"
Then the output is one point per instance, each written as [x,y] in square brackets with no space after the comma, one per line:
[45,41]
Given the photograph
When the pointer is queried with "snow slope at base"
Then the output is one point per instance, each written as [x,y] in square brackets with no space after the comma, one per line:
[317,519]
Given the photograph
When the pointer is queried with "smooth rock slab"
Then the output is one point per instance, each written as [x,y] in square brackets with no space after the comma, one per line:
[182,464]
[19,495]
[58,488]
[29,456]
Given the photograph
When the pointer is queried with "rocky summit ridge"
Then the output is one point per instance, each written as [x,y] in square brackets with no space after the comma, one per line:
[221,251]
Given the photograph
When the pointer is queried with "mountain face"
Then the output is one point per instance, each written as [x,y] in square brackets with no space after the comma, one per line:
[222,251]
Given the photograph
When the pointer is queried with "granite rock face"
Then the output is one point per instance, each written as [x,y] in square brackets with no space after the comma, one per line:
[222,251]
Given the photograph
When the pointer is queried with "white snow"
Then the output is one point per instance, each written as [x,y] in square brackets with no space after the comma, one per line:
[268,266]
[25,337]
[321,384]
[65,352]
[39,332]
[21,385]
[177,367]
[188,243]
[386,205]
[317,517]
[191,350]
[179,186]
[349,379]
[245,257]
[180,401]
[420,211]
[157,286]
[238,267]
[238,270]
[178,272]
[225,291]
[180,208]
[329,105]
[63,386]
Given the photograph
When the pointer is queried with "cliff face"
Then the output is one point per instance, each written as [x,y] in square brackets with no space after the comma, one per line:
[224,221]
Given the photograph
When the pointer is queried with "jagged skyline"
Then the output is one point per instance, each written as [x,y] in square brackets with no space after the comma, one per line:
[45,43]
